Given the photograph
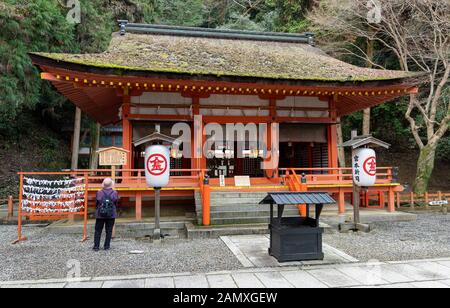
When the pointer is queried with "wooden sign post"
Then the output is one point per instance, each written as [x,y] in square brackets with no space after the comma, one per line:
[113,157]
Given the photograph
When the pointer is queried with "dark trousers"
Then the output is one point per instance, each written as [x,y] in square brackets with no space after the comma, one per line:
[109,225]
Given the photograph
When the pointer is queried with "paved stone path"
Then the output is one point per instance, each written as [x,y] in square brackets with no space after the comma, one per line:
[433,273]
[251,251]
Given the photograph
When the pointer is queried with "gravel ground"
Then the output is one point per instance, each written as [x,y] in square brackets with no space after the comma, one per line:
[428,237]
[46,255]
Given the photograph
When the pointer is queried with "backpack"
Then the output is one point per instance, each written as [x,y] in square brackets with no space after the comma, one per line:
[106,209]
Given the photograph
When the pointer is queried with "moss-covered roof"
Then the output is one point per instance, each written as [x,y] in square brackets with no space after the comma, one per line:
[223,57]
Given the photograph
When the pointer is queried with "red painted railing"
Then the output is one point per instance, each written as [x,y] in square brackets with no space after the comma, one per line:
[135,178]
[296,179]
[329,176]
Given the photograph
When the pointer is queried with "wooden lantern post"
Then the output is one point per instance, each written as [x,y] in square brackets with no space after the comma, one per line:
[362,177]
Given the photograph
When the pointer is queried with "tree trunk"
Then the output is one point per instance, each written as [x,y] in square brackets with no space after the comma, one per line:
[95,141]
[341,150]
[76,139]
[366,122]
[366,113]
[425,166]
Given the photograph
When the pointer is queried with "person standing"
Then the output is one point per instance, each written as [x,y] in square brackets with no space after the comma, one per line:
[106,213]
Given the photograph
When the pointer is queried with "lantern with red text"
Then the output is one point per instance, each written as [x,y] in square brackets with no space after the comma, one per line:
[157,165]
[364,164]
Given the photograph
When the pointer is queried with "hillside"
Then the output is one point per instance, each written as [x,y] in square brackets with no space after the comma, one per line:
[36,148]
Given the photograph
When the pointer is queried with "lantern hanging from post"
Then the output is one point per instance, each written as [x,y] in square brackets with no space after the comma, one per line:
[157,169]
[364,165]
[364,169]
[157,165]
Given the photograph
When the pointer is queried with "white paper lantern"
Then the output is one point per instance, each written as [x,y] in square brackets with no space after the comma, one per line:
[157,165]
[364,164]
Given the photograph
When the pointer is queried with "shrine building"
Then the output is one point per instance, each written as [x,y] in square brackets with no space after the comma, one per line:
[153,77]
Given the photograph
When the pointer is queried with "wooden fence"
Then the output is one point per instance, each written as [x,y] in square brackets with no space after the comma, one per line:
[421,200]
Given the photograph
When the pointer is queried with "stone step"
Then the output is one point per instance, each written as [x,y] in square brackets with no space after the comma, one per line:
[235,195]
[266,214]
[125,230]
[215,231]
[239,220]
[249,198]
[240,208]
[228,200]
[243,206]
[195,232]
[238,194]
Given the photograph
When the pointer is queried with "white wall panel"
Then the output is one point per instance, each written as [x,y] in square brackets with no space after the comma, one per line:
[230,100]
[160,98]
[302,101]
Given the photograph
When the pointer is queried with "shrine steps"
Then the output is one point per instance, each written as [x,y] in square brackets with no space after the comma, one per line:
[234,208]
[171,227]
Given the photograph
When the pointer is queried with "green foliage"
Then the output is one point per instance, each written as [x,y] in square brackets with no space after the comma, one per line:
[387,121]
[34,26]
[179,12]
[264,15]
[94,31]
[241,22]
[290,14]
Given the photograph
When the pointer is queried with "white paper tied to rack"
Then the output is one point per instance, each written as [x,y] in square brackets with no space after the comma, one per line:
[157,165]
[364,165]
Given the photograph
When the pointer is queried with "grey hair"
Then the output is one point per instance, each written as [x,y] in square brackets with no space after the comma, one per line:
[108,183]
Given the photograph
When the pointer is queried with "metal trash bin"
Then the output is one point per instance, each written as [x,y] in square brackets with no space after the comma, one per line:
[296,238]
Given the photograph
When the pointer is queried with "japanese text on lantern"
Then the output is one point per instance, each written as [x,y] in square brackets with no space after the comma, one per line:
[364,165]
[356,168]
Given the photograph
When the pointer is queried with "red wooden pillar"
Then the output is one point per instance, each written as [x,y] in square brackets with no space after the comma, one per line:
[272,141]
[332,137]
[138,206]
[333,146]
[391,200]
[206,210]
[127,131]
[198,159]
[341,202]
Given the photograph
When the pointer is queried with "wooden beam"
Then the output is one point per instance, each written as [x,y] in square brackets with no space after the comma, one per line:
[76,139]
[238,107]
[127,130]
[161,117]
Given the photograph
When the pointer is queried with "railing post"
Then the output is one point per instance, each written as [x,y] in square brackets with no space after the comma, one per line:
[391,200]
[444,207]
[412,200]
[138,205]
[139,179]
[394,174]
[206,202]
[341,203]
[10,207]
